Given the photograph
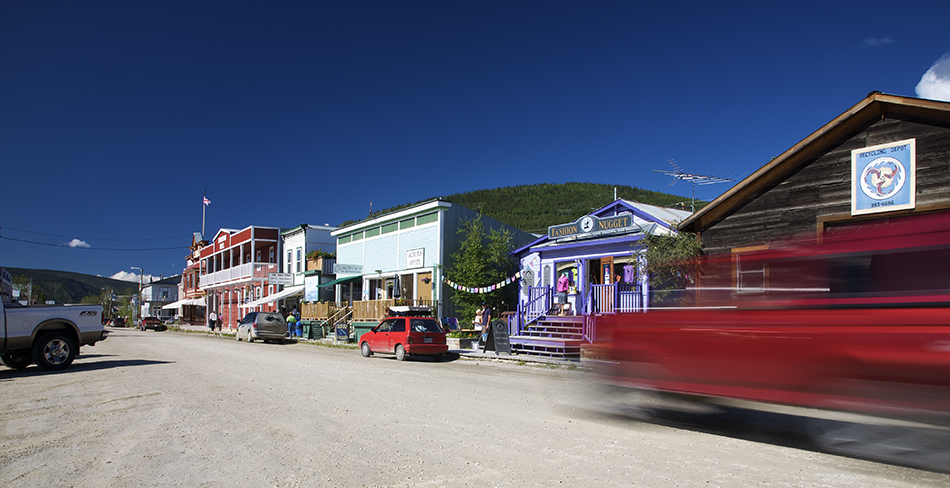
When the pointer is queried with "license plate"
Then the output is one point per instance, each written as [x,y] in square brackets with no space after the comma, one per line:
[427,340]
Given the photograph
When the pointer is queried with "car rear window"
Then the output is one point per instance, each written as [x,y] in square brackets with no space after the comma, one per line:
[270,317]
[424,325]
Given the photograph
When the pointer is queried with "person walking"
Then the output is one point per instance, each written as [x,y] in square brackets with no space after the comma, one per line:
[291,324]
[212,318]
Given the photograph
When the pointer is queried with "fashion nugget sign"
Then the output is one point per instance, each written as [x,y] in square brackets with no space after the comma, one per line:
[589,224]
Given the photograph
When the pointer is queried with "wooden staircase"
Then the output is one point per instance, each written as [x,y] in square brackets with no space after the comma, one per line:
[551,336]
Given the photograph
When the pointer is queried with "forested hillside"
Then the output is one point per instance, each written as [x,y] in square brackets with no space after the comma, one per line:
[533,208]
[68,287]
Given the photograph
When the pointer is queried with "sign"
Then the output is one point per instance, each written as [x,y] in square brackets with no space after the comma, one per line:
[884,177]
[342,334]
[498,338]
[311,288]
[415,258]
[280,279]
[347,269]
[590,224]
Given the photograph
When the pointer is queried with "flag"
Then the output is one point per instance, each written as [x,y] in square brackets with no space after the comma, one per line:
[206,201]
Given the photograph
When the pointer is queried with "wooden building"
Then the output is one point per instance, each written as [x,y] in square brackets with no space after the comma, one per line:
[820,183]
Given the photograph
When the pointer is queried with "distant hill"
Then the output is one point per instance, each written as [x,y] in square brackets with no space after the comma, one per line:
[68,287]
[533,208]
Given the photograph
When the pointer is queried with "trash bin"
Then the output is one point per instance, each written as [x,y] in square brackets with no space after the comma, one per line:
[299,331]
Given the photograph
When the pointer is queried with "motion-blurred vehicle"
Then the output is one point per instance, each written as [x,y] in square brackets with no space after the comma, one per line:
[858,322]
[265,326]
[405,332]
[152,323]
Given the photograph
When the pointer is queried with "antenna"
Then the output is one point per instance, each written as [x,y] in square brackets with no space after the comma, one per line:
[679,174]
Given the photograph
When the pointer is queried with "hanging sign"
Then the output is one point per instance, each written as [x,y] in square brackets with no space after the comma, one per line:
[884,177]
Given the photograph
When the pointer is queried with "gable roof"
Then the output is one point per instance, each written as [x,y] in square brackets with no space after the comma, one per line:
[873,107]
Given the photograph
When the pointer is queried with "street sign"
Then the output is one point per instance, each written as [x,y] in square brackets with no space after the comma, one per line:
[280,278]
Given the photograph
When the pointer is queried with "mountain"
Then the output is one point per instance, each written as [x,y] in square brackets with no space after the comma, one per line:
[68,287]
[533,208]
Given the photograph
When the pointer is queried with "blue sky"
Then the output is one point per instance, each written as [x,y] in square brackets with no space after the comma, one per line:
[115,117]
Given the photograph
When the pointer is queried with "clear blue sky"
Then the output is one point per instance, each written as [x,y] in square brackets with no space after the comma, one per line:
[116,116]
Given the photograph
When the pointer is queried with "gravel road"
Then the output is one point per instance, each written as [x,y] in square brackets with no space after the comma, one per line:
[175,409]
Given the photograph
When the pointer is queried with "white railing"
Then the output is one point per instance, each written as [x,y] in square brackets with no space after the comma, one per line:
[248,271]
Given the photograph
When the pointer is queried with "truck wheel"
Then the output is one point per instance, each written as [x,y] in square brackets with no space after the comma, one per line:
[54,351]
[19,361]
[400,353]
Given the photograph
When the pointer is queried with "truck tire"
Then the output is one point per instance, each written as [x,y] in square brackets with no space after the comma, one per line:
[16,361]
[54,351]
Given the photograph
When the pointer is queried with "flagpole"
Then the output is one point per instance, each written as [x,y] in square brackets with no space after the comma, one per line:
[203,205]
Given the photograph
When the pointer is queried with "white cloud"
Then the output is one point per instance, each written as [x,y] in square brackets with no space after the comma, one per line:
[877,41]
[935,84]
[77,243]
[133,277]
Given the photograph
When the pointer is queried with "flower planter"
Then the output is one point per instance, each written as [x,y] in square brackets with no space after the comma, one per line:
[460,343]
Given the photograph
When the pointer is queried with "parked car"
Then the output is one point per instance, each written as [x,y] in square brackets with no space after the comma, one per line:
[266,326]
[152,323]
[405,336]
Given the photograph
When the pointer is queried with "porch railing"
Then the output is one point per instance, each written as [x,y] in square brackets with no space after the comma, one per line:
[538,303]
[255,271]
[373,310]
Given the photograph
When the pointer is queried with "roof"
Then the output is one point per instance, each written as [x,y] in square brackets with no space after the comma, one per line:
[873,107]
[645,217]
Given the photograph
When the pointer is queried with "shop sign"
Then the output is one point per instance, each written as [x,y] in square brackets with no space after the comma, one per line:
[883,177]
[347,269]
[280,279]
[590,224]
[415,258]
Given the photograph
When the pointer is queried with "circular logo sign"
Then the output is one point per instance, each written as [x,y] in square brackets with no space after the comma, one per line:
[882,178]
[587,224]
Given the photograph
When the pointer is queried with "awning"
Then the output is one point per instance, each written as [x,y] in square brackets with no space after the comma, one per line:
[186,301]
[287,292]
[338,281]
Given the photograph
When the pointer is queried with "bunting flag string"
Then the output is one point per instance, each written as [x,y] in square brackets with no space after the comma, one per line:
[483,289]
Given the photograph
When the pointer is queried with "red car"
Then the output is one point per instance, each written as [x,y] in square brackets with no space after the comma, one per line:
[405,336]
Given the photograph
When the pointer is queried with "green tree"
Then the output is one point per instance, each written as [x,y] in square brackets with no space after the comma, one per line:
[482,260]
[672,264]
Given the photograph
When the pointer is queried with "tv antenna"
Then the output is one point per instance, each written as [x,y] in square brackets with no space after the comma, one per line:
[679,174]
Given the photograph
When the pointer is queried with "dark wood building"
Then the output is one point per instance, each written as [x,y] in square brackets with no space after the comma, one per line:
[817,184]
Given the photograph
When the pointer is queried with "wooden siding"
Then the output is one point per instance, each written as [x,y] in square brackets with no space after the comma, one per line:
[820,191]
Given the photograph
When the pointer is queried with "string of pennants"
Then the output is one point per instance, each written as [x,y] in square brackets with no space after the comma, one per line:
[483,289]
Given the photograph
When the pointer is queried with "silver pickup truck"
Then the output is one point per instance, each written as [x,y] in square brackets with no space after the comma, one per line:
[48,335]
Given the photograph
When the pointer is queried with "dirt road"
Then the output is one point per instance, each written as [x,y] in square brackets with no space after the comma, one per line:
[174,409]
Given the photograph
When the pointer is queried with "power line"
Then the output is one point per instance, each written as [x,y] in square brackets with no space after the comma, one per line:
[94,248]
[96,238]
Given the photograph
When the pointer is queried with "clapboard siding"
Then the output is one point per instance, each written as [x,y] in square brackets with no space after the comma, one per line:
[821,188]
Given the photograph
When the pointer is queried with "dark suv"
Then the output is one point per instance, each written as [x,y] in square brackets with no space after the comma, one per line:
[266,326]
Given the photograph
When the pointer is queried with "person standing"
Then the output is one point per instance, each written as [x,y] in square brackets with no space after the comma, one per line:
[291,324]
[486,323]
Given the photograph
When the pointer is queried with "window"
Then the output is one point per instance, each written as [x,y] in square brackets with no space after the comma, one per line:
[344,239]
[270,258]
[290,255]
[405,224]
[390,228]
[357,236]
[751,274]
[372,232]
[399,325]
[257,256]
[299,260]
[428,218]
